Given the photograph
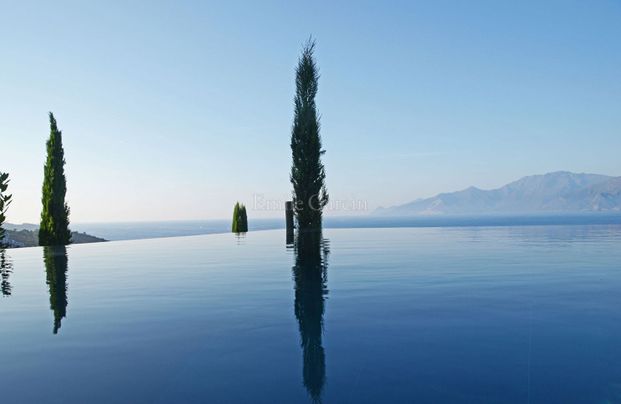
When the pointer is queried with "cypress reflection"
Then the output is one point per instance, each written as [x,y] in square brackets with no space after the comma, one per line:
[310,278]
[55,259]
[6,268]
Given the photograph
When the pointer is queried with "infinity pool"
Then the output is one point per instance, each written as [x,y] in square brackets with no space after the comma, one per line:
[445,315]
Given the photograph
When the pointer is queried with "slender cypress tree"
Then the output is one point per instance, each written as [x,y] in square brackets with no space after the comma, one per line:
[243,219]
[5,201]
[235,226]
[54,227]
[307,171]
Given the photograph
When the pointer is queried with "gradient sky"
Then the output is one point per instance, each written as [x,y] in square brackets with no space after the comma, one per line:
[175,110]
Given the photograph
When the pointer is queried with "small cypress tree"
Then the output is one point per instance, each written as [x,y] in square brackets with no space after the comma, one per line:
[243,219]
[54,227]
[240,220]
[235,226]
[307,171]
[5,201]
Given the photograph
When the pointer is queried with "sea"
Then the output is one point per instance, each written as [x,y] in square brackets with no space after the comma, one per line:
[157,229]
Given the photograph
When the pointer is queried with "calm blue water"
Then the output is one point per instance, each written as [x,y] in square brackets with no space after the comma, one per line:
[450,315]
[142,230]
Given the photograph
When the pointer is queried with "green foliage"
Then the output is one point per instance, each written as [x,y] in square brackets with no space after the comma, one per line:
[54,227]
[240,219]
[5,201]
[243,219]
[307,171]
[235,226]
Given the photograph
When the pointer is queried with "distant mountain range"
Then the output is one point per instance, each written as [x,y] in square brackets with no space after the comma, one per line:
[558,192]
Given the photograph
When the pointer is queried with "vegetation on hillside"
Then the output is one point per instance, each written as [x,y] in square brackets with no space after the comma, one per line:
[30,238]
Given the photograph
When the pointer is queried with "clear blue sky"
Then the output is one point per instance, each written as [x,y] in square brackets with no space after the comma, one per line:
[175,110]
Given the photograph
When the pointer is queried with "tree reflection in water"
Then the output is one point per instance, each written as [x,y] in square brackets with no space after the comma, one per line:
[6,268]
[310,278]
[55,260]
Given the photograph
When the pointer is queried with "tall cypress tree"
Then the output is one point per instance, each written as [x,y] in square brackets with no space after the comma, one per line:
[54,227]
[307,170]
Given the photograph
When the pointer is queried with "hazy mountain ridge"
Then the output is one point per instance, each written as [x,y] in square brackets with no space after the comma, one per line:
[553,192]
